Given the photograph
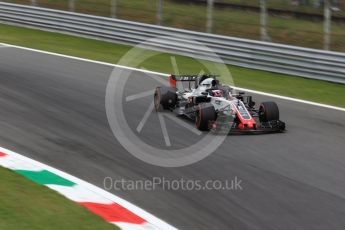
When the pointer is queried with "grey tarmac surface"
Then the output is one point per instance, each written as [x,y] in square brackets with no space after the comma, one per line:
[53,110]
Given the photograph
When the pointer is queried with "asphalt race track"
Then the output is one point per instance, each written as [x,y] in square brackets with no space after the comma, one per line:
[53,110]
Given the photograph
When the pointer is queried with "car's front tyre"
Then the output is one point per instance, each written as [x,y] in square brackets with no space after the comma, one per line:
[268,111]
[205,113]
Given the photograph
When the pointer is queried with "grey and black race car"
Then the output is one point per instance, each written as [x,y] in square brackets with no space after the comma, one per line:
[215,107]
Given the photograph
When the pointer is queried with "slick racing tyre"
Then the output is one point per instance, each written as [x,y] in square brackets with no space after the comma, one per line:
[268,111]
[204,115]
[164,98]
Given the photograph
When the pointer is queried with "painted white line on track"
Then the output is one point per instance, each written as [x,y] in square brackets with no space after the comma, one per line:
[291,99]
[166,75]
[84,59]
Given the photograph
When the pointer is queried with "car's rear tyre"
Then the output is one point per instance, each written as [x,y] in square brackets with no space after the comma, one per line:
[204,115]
[165,98]
[268,111]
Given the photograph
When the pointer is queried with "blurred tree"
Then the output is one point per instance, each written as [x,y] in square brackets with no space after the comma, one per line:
[159,16]
[321,3]
[209,21]
[113,8]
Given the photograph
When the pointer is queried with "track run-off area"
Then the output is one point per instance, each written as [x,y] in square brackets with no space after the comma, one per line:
[53,111]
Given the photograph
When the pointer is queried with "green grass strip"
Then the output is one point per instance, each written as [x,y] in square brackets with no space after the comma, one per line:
[30,206]
[45,177]
[285,85]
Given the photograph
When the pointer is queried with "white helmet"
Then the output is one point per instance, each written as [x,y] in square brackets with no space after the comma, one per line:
[207,83]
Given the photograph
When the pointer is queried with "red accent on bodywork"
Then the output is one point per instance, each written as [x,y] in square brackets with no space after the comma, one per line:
[113,213]
[245,124]
[172,81]
[2,154]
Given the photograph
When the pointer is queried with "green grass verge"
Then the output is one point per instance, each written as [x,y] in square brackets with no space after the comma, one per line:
[26,205]
[297,87]
[233,22]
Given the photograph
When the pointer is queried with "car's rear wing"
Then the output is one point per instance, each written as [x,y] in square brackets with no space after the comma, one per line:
[188,78]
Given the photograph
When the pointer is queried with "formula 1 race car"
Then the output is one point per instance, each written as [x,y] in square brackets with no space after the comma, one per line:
[215,107]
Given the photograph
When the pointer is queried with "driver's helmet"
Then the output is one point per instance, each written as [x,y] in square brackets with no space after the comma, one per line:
[208,83]
[217,93]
